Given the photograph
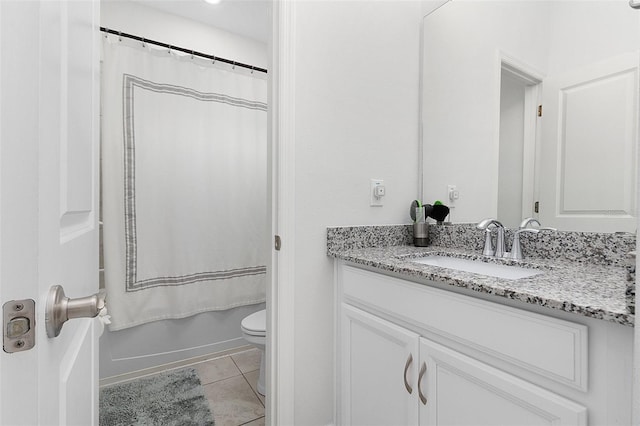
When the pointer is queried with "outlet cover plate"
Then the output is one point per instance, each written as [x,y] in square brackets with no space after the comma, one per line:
[376,201]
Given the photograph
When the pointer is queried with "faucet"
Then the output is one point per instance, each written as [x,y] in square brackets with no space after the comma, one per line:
[485,225]
[529,221]
[516,248]
[525,226]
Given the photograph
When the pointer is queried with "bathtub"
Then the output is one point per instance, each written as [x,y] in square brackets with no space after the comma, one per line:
[169,341]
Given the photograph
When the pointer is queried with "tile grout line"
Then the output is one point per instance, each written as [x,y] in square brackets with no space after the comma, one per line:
[250,421]
[211,403]
[224,378]
[255,392]
[221,380]
[248,384]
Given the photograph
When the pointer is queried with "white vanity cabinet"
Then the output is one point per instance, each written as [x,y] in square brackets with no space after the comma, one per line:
[460,390]
[392,376]
[378,357]
[412,354]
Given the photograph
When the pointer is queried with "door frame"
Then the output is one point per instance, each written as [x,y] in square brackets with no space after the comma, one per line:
[280,355]
[532,79]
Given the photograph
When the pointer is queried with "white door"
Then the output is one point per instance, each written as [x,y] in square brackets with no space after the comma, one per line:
[588,147]
[458,390]
[49,121]
[378,374]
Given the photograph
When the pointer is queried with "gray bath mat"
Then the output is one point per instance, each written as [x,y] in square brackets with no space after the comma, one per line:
[171,398]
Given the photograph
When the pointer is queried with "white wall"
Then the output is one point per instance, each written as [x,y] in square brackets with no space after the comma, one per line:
[356,118]
[592,32]
[161,342]
[136,19]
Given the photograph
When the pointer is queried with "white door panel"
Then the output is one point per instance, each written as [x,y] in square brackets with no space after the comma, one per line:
[588,147]
[49,122]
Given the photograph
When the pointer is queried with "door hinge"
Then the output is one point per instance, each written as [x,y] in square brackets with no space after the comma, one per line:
[277,242]
[536,207]
[539,110]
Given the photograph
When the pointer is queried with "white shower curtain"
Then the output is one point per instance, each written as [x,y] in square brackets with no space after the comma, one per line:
[183,184]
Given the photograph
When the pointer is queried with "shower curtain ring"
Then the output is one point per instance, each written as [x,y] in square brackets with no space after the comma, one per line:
[143,43]
[251,69]
[213,61]
[234,65]
[119,35]
[192,55]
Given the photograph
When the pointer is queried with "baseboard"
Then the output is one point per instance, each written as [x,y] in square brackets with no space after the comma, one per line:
[121,378]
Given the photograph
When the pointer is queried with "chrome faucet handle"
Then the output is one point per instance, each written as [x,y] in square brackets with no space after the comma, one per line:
[516,248]
[488,245]
[485,225]
[529,221]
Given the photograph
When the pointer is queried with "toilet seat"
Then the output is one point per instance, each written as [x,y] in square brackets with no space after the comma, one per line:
[254,329]
[254,333]
[255,324]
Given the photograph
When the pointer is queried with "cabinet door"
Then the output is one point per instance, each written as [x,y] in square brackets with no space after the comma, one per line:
[462,391]
[377,370]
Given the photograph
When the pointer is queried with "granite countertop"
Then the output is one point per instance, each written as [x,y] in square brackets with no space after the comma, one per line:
[583,288]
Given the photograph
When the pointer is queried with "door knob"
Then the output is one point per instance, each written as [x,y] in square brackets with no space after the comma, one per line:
[60,308]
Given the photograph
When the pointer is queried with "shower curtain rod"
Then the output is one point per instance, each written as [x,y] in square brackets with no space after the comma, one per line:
[182,49]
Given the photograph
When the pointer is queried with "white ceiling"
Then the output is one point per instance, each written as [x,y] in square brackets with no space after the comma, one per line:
[249,18]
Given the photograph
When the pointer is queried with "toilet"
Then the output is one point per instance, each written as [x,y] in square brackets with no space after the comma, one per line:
[254,330]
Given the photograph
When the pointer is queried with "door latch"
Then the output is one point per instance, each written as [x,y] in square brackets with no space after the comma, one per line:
[19,325]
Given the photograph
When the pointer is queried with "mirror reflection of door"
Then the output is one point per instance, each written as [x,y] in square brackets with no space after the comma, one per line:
[588,149]
[519,99]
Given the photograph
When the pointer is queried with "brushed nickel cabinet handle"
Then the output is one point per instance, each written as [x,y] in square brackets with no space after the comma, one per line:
[406,368]
[422,371]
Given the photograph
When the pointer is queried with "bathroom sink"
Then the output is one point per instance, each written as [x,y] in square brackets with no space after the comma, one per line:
[509,272]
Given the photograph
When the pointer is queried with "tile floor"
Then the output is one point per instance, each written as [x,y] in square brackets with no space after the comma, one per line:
[230,385]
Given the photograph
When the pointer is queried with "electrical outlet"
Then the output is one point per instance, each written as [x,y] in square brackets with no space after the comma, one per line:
[377,192]
[454,194]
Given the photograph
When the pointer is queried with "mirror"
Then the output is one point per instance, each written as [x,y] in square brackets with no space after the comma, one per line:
[487,67]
